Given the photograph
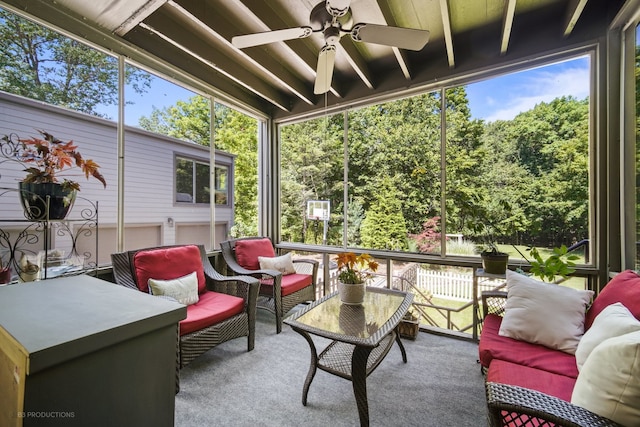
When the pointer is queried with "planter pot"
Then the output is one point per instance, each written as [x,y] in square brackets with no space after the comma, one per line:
[351,293]
[409,327]
[495,263]
[34,200]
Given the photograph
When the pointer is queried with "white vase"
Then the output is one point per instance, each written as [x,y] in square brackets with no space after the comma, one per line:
[351,293]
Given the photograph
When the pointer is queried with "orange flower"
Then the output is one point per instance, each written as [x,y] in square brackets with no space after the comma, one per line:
[354,268]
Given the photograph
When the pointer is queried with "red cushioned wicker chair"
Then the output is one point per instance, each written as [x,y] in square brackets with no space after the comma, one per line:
[278,293]
[237,295]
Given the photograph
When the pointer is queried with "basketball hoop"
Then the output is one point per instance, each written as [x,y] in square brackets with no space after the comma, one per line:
[318,210]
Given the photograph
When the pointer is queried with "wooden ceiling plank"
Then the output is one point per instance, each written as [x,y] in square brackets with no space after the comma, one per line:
[356,61]
[574,10]
[258,58]
[403,62]
[147,9]
[446,26]
[239,76]
[400,55]
[507,25]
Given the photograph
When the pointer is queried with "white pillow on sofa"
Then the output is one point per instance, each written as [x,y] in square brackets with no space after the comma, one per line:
[609,382]
[183,289]
[284,263]
[613,321]
[543,313]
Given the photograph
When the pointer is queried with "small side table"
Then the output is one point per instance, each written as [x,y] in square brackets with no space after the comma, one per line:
[361,337]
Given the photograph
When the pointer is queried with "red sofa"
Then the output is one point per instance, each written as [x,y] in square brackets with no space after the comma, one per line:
[528,383]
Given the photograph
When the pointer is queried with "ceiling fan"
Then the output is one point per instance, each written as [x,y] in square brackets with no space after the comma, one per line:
[333,19]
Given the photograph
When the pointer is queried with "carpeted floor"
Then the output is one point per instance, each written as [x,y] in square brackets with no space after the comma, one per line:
[441,385]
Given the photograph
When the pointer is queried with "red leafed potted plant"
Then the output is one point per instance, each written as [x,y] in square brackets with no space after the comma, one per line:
[50,165]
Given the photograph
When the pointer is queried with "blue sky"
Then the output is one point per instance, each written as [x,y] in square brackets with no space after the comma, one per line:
[500,98]
[162,94]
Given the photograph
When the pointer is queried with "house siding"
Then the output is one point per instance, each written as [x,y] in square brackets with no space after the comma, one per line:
[149,177]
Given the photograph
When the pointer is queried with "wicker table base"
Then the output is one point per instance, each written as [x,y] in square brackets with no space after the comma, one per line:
[361,338]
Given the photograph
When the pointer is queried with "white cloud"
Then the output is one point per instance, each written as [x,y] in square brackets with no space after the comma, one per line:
[542,86]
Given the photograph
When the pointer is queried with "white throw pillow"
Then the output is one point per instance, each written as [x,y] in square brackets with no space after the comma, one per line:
[284,263]
[613,321]
[609,382]
[543,313]
[183,289]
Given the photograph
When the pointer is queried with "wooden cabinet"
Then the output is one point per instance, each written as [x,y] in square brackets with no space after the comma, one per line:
[82,351]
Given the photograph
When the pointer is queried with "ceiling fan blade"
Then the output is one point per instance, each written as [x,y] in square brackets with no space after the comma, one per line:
[257,39]
[404,38]
[324,71]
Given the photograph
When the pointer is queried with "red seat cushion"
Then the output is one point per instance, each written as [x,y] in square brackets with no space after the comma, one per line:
[290,283]
[623,288]
[211,308]
[168,264]
[493,346]
[248,251]
[552,384]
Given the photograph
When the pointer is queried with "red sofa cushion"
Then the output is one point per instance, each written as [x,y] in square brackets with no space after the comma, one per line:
[552,384]
[290,283]
[212,308]
[167,264]
[493,346]
[248,251]
[623,288]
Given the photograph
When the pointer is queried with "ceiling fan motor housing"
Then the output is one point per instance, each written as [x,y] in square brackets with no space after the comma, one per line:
[332,36]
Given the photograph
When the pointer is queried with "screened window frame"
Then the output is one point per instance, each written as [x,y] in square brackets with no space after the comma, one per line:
[590,50]
[194,195]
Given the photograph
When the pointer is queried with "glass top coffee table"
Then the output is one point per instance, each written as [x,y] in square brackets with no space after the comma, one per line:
[361,336]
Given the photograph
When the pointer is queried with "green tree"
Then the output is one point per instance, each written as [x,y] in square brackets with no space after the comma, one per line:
[465,190]
[42,64]
[311,168]
[400,139]
[537,174]
[384,226]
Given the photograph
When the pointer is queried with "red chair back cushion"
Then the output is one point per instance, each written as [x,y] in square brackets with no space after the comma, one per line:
[248,251]
[167,264]
[623,288]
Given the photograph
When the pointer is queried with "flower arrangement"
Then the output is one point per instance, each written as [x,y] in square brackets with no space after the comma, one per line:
[50,157]
[355,269]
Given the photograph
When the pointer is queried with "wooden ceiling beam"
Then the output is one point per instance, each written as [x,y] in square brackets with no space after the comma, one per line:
[400,54]
[574,10]
[359,65]
[174,35]
[446,27]
[507,25]
[259,59]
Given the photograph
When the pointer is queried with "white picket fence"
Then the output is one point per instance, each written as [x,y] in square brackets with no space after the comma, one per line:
[442,284]
[452,285]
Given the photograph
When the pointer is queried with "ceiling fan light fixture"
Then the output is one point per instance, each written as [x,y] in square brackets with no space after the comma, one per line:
[337,8]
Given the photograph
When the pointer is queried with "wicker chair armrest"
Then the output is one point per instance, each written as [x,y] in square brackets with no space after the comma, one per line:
[255,273]
[238,269]
[493,302]
[306,266]
[228,284]
[508,403]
